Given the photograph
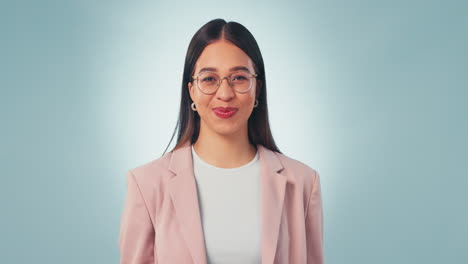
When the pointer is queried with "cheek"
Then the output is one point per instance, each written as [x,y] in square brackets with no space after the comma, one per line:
[204,106]
[247,104]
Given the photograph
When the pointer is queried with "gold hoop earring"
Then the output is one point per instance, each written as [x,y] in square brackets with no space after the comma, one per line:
[193,107]
[256,103]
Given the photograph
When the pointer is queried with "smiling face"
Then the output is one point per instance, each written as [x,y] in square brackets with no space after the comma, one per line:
[223,56]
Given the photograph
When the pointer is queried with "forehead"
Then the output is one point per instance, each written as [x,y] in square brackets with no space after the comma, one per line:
[223,55]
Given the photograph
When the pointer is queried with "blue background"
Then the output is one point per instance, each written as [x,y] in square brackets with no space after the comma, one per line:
[371,94]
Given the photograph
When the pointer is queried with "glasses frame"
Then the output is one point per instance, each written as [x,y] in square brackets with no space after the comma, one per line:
[196,77]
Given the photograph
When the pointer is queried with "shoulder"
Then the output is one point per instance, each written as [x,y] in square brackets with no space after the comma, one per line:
[294,164]
[298,169]
[151,171]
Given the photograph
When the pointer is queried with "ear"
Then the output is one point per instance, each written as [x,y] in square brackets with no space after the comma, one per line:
[189,87]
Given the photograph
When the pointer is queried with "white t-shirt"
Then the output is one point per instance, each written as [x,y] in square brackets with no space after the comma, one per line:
[230,209]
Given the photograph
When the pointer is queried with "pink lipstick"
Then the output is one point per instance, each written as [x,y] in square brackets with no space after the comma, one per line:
[225,112]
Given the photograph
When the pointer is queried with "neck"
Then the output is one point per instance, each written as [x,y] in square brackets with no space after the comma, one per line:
[224,151]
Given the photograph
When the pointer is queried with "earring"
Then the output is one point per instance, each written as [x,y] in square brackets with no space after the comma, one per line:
[256,103]
[193,107]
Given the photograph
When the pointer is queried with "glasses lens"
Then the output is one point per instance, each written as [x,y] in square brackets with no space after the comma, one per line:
[241,81]
[208,82]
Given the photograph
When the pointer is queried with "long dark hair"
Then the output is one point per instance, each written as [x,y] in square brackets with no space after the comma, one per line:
[189,121]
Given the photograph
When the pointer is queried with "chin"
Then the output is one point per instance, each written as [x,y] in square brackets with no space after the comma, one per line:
[226,129]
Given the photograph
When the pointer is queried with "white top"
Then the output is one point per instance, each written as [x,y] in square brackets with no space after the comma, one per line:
[230,209]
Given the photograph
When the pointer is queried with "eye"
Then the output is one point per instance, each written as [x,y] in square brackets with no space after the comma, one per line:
[209,79]
[239,77]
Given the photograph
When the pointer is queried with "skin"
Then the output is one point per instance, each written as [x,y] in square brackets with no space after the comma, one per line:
[224,142]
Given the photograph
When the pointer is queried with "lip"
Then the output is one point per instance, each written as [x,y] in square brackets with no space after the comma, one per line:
[225,112]
[225,109]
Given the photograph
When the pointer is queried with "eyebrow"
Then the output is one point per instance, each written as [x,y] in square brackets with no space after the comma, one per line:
[237,68]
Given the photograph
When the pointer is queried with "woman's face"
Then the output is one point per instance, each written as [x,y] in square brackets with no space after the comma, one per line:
[222,56]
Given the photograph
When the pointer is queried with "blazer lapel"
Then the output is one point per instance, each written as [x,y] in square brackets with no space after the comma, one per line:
[184,194]
[273,190]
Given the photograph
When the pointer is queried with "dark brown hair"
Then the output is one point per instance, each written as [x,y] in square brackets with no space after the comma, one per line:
[189,121]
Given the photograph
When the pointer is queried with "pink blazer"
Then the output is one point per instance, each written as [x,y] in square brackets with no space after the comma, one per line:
[161,222]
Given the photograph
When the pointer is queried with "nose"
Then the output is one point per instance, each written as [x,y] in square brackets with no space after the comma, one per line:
[225,93]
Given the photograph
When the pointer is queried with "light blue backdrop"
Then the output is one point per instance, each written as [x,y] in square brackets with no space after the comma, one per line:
[372,94]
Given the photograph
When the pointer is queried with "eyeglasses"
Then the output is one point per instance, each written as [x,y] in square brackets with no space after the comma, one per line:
[209,82]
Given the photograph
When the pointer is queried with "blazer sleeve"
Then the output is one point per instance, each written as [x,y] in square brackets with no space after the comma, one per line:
[314,224]
[136,238]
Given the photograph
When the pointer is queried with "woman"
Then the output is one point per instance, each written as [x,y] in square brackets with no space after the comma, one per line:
[225,193]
